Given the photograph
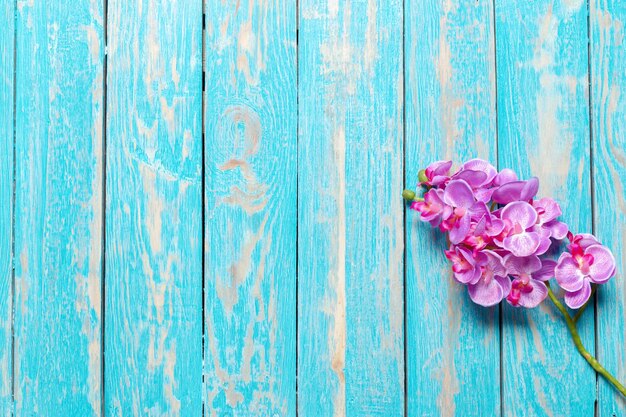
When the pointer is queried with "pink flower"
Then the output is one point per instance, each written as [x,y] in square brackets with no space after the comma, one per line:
[459,196]
[527,288]
[586,263]
[520,239]
[465,266]
[493,285]
[547,211]
[437,173]
[478,174]
[516,191]
[432,208]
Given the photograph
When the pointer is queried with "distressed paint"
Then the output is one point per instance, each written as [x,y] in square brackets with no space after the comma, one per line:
[58,209]
[250,252]
[7,12]
[153,334]
[350,237]
[453,355]
[608,89]
[543,130]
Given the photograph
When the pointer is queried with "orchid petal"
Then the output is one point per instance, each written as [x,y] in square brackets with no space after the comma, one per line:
[522,244]
[505,176]
[482,166]
[603,266]
[551,209]
[568,274]
[533,298]
[558,230]
[486,294]
[546,271]
[458,194]
[521,213]
[474,178]
[439,168]
[516,265]
[544,245]
[460,230]
[577,299]
[530,189]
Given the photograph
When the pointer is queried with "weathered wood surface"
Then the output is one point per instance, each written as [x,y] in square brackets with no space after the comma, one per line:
[350,231]
[7,75]
[244,250]
[453,346]
[251,200]
[543,130]
[153,282]
[608,123]
[57,341]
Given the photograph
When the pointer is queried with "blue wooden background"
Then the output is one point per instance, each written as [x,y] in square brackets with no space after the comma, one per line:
[201,214]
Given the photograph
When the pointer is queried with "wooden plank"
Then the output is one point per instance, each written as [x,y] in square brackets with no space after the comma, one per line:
[453,353]
[7,17]
[543,130]
[350,231]
[250,258]
[608,85]
[153,335]
[58,209]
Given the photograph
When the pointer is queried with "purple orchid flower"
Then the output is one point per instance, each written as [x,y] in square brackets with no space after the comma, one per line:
[483,231]
[547,211]
[459,196]
[520,239]
[527,288]
[465,266]
[437,173]
[492,285]
[432,208]
[504,177]
[516,191]
[479,175]
[577,269]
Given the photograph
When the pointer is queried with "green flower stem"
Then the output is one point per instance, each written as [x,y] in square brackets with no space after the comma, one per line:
[571,326]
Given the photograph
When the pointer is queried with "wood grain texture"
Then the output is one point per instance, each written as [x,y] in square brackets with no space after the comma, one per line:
[250,255]
[153,287]
[453,355]
[543,130]
[350,245]
[7,13]
[58,209]
[608,59]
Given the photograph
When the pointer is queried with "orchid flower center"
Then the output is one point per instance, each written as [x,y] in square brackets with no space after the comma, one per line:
[460,212]
[584,262]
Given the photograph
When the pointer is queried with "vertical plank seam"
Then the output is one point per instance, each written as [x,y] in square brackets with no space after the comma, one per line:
[500,312]
[13,214]
[203,200]
[105,6]
[404,254]
[592,188]
[297,269]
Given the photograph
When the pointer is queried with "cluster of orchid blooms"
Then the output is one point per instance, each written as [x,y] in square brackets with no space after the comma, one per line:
[502,239]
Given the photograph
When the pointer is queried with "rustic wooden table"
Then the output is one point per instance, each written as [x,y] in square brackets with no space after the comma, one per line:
[202,215]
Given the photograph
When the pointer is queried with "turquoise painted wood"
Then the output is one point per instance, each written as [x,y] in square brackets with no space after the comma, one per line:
[153,282]
[350,228]
[242,249]
[251,201]
[58,208]
[608,122]
[7,12]
[453,347]
[543,130]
